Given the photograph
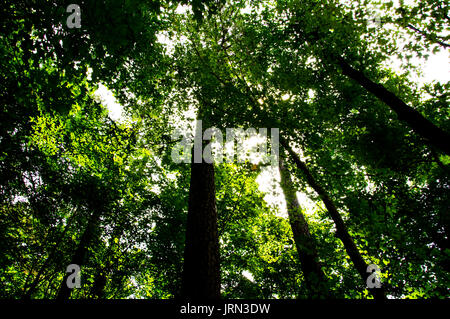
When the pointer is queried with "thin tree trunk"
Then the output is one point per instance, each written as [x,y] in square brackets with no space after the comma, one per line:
[341,229]
[434,135]
[314,277]
[80,254]
[100,280]
[201,269]
[32,287]
[419,124]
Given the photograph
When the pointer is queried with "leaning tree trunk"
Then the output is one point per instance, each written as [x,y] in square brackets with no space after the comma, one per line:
[433,134]
[80,254]
[201,269]
[29,290]
[341,229]
[304,241]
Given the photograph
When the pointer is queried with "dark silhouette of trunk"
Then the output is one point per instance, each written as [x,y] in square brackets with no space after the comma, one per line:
[32,287]
[81,252]
[100,279]
[201,269]
[418,123]
[98,288]
[341,229]
[28,292]
[434,135]
[304,242]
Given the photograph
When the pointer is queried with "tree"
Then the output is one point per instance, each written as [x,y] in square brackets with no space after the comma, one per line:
[364,179]
[201,272]
[314,277]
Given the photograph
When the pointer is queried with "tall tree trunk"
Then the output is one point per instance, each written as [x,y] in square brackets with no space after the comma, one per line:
[304,242]
[341,229]
[80,254]
[433,134]
[201,269]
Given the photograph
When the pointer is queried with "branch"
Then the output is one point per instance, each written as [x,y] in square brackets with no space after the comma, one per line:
[426,36]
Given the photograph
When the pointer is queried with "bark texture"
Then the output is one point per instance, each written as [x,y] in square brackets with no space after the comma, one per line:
[314,277]
[341,229]
[418,123]
[201,272]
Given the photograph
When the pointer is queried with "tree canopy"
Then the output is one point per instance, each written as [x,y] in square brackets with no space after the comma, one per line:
[361,178]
